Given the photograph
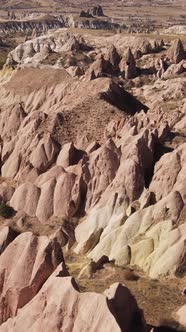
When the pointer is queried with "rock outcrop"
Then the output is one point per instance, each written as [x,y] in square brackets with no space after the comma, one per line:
[25,265]
[113,57]
[128,65]
[69,156]
[7,235]
[176,52]
[26,198]
[38,49]
[97,11]
[115,310]
[114,213]
[121,217]
[174,70]
[99,68]
[40,26]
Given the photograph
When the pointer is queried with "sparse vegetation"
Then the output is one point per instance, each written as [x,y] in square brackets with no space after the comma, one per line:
[3,56]
[5,49]
[158,299]
[181,271]
[6,211]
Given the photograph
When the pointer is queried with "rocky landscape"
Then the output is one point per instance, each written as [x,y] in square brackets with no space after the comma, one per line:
[93,171]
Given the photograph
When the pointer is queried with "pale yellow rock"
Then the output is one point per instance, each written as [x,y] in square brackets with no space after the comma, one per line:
[168,255]
[140,252]
[159,232]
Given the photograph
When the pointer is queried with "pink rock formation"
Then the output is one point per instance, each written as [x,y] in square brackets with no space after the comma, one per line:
[24,266]
[113,57]
[53,172]
[97,69]
[67,195]
[26,198]
[58,162]
[174,70]
[130,69]
[44,155]
[128,154]
[75,71]
[107,158]
[176,52]
[69,155]
[7,235]
[112,197]
[45,204]
[128,65]
[166,179]
[60,307]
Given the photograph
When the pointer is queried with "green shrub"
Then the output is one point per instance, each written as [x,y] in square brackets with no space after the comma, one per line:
[6,211]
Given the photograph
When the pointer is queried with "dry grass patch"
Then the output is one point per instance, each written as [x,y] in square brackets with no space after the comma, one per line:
[158,298]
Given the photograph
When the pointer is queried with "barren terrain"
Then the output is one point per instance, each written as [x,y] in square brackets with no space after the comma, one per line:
[93,166]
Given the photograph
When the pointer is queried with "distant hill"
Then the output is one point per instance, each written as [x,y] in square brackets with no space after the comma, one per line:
[159,13]
[23,4]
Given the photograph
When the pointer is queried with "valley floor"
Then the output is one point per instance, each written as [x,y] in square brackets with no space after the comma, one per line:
[157,298]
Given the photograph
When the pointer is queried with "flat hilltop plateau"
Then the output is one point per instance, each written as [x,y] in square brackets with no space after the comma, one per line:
[92,166]
[158,13]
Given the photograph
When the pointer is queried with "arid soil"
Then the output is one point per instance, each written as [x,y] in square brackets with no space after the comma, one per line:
[158,298]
